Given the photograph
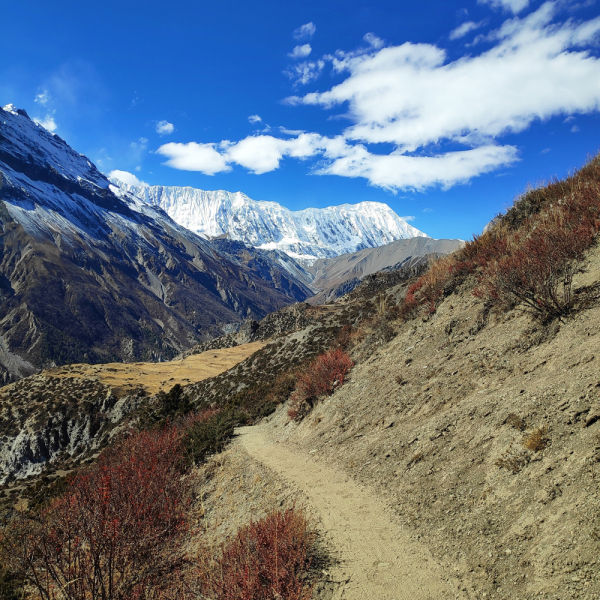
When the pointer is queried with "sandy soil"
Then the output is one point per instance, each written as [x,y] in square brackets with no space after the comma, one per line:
[377,560]
[156,377]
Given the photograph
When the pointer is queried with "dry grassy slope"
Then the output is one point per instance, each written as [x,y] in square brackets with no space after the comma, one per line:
[430,443]
[124,378]
[59,417]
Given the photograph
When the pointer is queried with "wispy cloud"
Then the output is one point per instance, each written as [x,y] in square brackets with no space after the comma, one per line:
[305,31]
[165,128]
[443,118]
[514,6]
[373,40]
[305,72]
[300,51]
[291,131]
[46,122]
[464,29]
[254,119]
[42,98]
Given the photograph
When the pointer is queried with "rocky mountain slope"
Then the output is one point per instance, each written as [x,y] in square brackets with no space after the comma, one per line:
[306,234]
[89,273]
[334,277]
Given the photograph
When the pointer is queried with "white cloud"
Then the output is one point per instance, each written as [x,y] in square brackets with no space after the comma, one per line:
[127,178]
[300,51]
[574,129]
[515,6]
[46,122]
[305,72]
[305,31]
[443,118]
[465,28]
[291,131]
[399,171]
[194,157]
[165,128]
[254,119]
[138,168]
[428,210]
[373,40]
[42,98]
[408,218]
[411,96]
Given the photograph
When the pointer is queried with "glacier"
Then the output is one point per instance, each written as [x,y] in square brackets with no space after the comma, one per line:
[305,235]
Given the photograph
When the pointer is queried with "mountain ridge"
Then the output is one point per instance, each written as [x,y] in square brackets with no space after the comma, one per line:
[305,235]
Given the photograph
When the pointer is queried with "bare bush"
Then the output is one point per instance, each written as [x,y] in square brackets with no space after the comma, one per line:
[114,534]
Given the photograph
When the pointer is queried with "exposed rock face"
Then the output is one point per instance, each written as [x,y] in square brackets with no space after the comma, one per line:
[89,273]
[44,419]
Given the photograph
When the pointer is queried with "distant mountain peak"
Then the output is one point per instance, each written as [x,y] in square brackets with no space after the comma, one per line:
[306,234]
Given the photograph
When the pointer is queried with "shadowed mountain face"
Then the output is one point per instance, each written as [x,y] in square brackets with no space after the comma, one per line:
[88,273]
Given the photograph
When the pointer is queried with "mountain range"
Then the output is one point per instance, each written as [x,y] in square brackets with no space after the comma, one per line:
[90,273]
[305,235]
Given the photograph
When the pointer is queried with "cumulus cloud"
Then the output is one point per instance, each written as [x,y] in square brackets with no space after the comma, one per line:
[305,31]
[464,29]
[164,128]
[194,157]
[254,119]
[514,6]
[444,119]
[127,178]
[46,122]
[410,95]
[300,51]
[305,72]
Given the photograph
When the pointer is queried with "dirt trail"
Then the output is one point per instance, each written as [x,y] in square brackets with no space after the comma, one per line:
[378,561]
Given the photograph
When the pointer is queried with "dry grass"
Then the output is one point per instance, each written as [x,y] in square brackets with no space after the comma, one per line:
[156,377]
[538,439]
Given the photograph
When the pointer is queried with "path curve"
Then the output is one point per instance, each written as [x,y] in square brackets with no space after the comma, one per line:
[378,560]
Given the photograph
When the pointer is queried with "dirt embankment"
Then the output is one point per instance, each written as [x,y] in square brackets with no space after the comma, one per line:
[482,433]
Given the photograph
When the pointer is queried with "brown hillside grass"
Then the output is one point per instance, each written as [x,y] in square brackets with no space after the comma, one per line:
[161,377]
[529,257]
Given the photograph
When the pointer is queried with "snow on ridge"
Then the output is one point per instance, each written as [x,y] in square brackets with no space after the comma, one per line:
[306,234]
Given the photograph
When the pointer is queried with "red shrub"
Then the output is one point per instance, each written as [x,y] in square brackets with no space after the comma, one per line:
[540,259]
[113,534]
[319,378]
[530,255]
[267,560]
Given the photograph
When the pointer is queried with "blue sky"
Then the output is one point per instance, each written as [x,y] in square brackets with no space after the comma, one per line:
[444,110]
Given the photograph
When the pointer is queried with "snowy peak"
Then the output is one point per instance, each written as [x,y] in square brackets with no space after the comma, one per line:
[306,234]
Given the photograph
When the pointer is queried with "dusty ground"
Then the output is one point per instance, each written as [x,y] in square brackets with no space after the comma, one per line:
[435,424]
[377,559]
[122,378]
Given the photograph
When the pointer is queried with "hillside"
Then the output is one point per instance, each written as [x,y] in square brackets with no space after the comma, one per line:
[335,277]
[439,425]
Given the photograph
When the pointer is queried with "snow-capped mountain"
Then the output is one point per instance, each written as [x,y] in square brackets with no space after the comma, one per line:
[90,273]
[305,234]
